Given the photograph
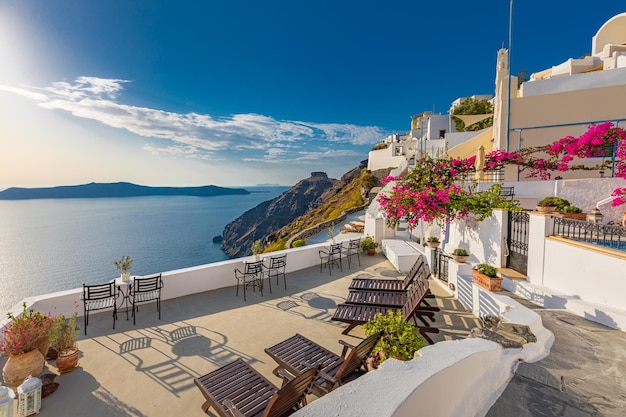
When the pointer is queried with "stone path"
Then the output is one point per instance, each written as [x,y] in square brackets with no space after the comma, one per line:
[584,374]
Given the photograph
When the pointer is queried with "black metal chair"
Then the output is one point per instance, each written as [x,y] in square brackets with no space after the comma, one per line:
[252,275]
[99,297]
[276,267]
[330,257]
[145,290]
[354,248]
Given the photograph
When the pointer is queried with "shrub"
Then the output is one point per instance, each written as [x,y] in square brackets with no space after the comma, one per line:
[460,252]
[557,202]
[400,339]
[432,239]
[298,243]
[64,333]
[25,332]
[257,247]
[487,269]
[571,209]
[124,264]
[368,242]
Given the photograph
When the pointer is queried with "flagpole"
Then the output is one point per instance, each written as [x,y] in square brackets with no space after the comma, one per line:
[508,106]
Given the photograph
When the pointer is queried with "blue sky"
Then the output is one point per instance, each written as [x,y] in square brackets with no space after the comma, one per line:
[245,92]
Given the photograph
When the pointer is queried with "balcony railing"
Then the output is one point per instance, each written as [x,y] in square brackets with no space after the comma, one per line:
[610,236]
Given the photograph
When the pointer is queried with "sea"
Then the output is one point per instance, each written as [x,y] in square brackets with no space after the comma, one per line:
[49,245]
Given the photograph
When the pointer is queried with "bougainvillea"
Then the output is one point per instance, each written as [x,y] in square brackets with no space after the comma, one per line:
[437,189]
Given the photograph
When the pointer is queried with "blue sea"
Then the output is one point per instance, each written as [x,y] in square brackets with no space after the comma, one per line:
[58,244]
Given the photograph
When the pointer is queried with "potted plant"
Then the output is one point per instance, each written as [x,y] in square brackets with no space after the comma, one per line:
[400,339]
[433,241]
[573,212]
[63,338]
[26,342]
[331,233]
[369,244]
[460,255]
[486,276]
[257,249]
[124,264]
[551,204]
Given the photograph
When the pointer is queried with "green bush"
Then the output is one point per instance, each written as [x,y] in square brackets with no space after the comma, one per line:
[571,209]
[368,242]
[487,269]
[432,239]
[400,339]
[298,243]
[557,202]
[460,252]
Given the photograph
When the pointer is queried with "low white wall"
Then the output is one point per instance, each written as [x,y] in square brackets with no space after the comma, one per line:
[484,240]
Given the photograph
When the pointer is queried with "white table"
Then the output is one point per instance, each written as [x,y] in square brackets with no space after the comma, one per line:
[124,287]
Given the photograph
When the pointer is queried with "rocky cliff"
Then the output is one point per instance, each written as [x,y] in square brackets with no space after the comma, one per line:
[308,203]
[271,215]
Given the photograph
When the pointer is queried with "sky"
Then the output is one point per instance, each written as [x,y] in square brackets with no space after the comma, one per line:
[238,92]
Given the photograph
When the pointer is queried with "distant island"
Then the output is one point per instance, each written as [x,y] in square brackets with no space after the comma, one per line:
[114,190]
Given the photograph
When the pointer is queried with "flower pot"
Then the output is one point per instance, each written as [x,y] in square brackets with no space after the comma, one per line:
[460,258]
[43,345]
[371,251]
[546,209]
[125,276]
[493,284]
[575,216]
[67,361]
[433,245]
[18,367]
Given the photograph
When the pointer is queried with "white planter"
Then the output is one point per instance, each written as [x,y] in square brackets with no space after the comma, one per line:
[125,276]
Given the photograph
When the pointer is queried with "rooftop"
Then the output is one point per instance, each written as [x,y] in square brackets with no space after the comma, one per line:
[147,369]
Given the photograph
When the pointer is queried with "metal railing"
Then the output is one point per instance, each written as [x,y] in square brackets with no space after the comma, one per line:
[440,264]
[610,236]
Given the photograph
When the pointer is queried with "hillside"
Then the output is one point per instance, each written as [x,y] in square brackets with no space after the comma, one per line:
[311,201]
[114,190]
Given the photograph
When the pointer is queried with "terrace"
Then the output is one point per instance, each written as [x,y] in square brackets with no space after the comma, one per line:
[148,369]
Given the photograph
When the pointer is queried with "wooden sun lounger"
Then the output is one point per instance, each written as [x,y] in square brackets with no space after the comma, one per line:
[238,390]
[294,354]
[388,284]
[358,314]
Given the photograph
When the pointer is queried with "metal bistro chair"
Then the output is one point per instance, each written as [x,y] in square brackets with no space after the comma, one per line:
[354,248]
[251,275]
[330,257]
[145,290]
[276,267]
[99,297]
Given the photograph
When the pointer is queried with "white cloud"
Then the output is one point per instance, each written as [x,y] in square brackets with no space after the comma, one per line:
[199,135]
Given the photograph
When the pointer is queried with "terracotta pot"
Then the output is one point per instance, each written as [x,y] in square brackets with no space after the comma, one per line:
[433,244]
[371,252]
[67,361]
[18,367]
[43,345]
[493,284]
[460,258]
[575,216]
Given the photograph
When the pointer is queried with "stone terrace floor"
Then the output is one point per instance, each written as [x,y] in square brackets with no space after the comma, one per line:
[147,369]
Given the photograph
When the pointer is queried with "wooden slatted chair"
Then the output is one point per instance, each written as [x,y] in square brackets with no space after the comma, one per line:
[238,390]
[358,314]
[99,297]
[294,354]
[146,290]
[388,284]
[331,257]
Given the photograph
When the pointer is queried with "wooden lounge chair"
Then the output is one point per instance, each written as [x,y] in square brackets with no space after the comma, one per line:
[295,353]
[238,390]
[358,314]
[388,284]
[393,298]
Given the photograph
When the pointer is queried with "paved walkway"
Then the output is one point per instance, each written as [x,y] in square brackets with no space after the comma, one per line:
[584,374]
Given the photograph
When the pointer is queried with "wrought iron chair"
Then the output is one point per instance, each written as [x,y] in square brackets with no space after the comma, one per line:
[330,257]
[252,275]
[276,267]
[99,297]
[354,248]
[145,290]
